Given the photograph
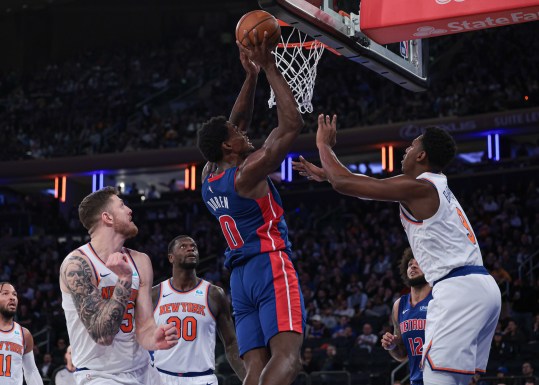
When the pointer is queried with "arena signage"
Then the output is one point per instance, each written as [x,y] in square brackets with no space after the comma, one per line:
[393,21]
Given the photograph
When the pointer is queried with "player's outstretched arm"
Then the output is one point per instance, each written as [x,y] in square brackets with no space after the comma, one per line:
[401,188]
[393,342]
[101,317]
[149,335]
[264,161]
[29,368]
[225,329]
[242,112]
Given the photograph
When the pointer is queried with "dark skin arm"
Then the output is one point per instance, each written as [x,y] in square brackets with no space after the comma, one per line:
[225,328]
[252,173]
[393,342]
[417,195]
[242,112]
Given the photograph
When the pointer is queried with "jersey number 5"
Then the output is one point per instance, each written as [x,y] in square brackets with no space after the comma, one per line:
[230,231]
[186,328]
[5,370]
[466,225]
[127,322]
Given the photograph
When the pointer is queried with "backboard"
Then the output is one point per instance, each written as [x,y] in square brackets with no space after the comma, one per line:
[403,63]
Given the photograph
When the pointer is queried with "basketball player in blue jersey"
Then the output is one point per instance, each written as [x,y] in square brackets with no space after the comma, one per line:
[106,297]
[409,315]
[266,297]
[16,343]
[466,302]
[198,310]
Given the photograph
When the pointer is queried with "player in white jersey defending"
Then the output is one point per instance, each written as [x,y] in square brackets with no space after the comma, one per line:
[16,343]
[106,297]
[198,310]
[466,300]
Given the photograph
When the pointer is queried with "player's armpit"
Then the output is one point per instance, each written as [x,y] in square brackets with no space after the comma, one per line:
[101,317]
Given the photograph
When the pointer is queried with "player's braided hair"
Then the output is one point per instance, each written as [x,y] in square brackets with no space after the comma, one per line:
[439,146]
[210,137]
[93,205]
[403,267]
[172,243]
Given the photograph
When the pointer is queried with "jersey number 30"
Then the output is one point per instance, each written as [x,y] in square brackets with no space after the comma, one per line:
[186,328]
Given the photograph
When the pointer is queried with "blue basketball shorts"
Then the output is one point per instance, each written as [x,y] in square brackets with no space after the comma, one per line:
[267,299]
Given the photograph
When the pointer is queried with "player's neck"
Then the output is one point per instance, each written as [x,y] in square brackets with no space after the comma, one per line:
[419,293]
[6,323]
[231,160]
[105,243]
[70,367]
[184,280]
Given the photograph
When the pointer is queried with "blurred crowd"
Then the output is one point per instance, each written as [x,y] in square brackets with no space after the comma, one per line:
[148,96]
[346,256]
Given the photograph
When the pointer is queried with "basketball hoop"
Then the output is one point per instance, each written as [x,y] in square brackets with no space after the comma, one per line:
[297,60]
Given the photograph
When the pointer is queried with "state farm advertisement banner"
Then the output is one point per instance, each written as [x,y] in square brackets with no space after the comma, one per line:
[391,21]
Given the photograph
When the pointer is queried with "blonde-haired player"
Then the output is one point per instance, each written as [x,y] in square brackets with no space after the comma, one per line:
[16,343]
[199,310]
[466,300]
[106,297]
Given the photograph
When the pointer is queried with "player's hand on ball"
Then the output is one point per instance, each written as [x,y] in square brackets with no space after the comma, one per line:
[259,52]
[166,336]
[309,170]
[389,341]
[327,130]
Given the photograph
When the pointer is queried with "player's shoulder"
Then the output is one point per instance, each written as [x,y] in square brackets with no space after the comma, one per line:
[75,256]
[138,256]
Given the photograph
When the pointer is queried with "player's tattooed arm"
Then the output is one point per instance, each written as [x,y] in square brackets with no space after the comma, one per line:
[399,353]
[101,317]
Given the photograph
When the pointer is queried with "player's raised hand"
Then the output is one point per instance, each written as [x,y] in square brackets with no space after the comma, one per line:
[259,52]
[389,341]
[248,65]
[327,131]
[119,265]
[309,170]
[166,336]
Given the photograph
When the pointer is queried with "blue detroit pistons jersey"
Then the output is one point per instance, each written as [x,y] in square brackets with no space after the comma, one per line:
[412,328]
[250,226]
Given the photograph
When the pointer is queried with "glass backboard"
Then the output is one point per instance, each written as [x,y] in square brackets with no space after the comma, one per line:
[336,24]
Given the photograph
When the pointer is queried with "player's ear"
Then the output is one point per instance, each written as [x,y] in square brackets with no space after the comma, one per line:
[170,258]
[106,217]
[226,146]
[421,156]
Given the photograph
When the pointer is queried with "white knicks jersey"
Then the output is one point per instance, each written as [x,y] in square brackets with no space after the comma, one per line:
[444,241]
[190,313]
[11,352]
[125,354]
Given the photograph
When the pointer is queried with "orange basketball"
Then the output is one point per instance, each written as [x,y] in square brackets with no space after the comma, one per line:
[261,21]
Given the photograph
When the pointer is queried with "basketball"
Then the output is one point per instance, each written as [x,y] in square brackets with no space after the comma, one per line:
[262,21]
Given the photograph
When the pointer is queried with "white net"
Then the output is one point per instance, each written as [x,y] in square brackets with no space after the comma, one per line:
[297,59]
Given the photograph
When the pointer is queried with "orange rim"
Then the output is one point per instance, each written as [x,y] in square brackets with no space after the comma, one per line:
[306,44]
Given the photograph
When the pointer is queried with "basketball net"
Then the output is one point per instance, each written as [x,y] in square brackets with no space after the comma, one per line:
[297,60]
